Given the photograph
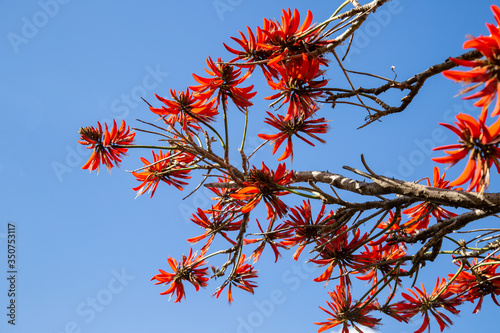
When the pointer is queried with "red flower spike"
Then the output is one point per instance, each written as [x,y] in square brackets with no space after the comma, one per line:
[252,51]
[340,252]
[263,184]
[168,168]
[186,109]
[306,229]
[186,270]
[287,38]
[106,146]
[224,80]
[478,281]
[218,222]
[269,238]
[223,196]
[345,313]
[239,278]
[299,85]
[276,40]
[421,213]
[483,70]
[380,254]
[289,128]
[478,141]
[421,301]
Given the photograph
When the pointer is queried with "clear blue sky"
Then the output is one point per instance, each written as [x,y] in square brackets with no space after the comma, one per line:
[87,250]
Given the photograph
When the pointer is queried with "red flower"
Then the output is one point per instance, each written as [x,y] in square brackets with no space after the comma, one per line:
[391,224]
[393,311]
[186,109]
[252,48]
[482,143]
[482,280]
[483,70]
[291,127]
[284,37]
[223,196]
[421,213]
[224,80]
[265,184]
[306,230]
[277,40]
[344,313]
[425,303]
[270,238]
[169,168]
[239,278]
[108,147]
[377,257]
[299,85]
[218,222]
[340,252]
[189,270]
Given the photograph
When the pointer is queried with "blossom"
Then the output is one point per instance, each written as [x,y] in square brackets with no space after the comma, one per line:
[480,142]
[421,213]
[224,195]
[287,37]
[186,109]
[253,49]
[277,40]
[289,128]
[421,301]
[268,185]
[188,269]
[224,81]
[481,280]
[171,168]
[483,70]
[392,224]
[345,313]
[338,250]
[299,85]
[306,229]
[381,258]
[108,147]
[240,278]
[269,237]
[218,221]
[393,311]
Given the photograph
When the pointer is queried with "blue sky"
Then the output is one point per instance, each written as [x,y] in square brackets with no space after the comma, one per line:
[87,249]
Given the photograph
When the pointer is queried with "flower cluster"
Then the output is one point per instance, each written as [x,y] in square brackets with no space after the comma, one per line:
[270,237]
[186,109]
[480,143]
[292,127]
[345,313]
[171,168]
[223,81]
[306,228]
[299,84]
[419,301]
[420,214]
[484,71]
[186,270]
[241,278]
[476,139]
[268,185]
[108,147]
[339,250]
[276,41]
[478,280]
[218,221]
